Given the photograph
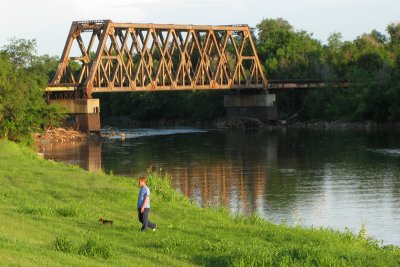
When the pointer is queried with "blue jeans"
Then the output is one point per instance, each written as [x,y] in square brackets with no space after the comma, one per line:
[144,219]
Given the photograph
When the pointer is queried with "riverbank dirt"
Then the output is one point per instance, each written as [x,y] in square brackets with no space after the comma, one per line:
[59,135]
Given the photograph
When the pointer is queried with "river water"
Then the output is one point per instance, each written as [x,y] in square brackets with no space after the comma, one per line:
[333,179]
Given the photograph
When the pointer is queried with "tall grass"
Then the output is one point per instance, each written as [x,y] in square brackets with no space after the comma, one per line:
[49,215]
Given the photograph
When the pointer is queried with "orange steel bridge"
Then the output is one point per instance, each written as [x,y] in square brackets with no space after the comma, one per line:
[117,57]
[102,56]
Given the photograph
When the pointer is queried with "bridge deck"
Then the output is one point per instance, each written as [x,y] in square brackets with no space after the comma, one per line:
[272,86]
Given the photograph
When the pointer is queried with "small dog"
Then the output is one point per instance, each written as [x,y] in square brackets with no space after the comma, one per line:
[101,220]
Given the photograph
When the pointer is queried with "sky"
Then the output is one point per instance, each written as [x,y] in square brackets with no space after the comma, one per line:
[48,21]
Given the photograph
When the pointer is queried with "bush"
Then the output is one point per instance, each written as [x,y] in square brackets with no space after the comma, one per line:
[71,211]
[63,244]
[94,247]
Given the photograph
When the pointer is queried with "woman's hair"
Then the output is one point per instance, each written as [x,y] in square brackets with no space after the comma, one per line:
[143,179]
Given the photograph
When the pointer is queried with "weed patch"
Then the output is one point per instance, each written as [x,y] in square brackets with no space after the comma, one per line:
[63,244]
[71,211]
[36,210]
[94,247]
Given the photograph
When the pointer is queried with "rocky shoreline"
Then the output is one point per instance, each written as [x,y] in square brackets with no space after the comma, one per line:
[339,125]
[221,123]
[60,135]
[251,123]
[125,122]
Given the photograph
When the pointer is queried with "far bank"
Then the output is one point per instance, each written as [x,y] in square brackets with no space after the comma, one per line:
[251,123]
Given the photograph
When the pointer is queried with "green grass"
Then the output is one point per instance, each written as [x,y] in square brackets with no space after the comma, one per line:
[49,213]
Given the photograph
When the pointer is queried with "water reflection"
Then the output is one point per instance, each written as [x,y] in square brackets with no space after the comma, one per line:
[232,176]
[223,183]
[330,179]
[87,155]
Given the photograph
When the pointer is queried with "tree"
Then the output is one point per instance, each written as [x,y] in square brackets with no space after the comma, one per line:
[22,52]
[287,53]
[394,32]
[369,62]
[394,41]
[22,82]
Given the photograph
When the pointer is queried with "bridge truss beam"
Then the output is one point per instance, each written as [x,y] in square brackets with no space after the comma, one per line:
[115,57]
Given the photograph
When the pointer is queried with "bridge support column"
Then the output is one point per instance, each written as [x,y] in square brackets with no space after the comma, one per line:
[84,114]
[259,106]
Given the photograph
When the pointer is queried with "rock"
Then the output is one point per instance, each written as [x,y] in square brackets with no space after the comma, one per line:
[243,123]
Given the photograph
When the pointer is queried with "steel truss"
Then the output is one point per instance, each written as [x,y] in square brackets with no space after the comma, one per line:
[115,57]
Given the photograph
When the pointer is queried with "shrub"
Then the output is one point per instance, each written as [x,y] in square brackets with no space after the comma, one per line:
[71,211]
[62,244]
[94,247]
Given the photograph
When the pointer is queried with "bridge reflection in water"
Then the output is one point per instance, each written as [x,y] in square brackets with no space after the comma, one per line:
[223,184]
[85,155]
[238,181]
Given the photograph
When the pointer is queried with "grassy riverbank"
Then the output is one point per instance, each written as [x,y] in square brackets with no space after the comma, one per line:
[49,213]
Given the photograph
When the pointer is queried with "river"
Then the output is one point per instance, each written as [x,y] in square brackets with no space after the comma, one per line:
[333,179]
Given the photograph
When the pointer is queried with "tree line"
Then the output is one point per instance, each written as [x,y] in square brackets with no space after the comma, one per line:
[371,62]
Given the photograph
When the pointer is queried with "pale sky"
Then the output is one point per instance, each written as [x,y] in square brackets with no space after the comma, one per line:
[48,21]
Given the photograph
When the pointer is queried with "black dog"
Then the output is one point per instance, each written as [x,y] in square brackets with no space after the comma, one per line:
[101,220]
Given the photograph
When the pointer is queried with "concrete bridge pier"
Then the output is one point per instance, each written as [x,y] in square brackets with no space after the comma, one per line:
[260,106]
[84,113]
